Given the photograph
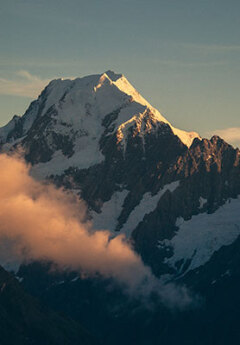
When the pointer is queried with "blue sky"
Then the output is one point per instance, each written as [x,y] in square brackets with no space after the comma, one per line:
[183,56]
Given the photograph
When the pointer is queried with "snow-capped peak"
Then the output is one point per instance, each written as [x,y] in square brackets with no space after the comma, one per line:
[75,110]
[99,95]
[121,82]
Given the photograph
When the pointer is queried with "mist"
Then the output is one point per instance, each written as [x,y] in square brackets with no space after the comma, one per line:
[40,222]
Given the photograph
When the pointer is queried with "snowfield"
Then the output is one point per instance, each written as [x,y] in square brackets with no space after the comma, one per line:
[198,238]
[111,210]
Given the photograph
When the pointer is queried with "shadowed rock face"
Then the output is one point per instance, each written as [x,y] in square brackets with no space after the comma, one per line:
[23,320]
[209,170]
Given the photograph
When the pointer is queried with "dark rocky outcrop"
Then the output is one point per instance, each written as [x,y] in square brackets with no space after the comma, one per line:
[25,321]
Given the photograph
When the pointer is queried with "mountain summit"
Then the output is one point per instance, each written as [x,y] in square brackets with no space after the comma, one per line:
[70,118]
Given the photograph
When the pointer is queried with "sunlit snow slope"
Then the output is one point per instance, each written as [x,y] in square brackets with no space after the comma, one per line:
[77,109]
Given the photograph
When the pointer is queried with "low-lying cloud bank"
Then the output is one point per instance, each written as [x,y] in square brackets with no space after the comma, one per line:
[40,222]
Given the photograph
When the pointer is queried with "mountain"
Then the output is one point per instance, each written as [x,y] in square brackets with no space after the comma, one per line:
[173,194]
[138,174]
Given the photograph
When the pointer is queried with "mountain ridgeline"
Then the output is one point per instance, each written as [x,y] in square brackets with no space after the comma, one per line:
[173,194]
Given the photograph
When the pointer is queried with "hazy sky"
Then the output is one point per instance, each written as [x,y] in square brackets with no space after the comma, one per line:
[183,56]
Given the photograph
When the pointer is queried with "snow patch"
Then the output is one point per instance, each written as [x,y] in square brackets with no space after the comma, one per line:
[198,238]
[147,205]
[111,210]
[202,202]
[86,154]
[186,137]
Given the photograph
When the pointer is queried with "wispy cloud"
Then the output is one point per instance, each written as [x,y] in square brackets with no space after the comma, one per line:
[213,47]
[179,63]
[23,84]
[231,135]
